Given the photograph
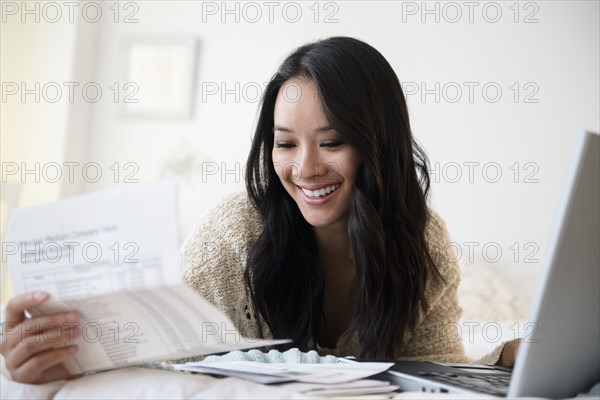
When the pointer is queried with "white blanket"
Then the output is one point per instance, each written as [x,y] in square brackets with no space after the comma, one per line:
[142,383]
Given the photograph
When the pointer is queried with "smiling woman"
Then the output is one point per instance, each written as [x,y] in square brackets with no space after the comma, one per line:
[358,255]
[339,250]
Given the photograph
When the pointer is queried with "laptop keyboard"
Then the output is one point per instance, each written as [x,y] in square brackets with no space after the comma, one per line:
[490,384]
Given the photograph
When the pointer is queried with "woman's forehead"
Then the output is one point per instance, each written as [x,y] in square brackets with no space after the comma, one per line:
[298,107]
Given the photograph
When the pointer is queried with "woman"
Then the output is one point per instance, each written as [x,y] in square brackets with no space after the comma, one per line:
[340,251]
[333,245]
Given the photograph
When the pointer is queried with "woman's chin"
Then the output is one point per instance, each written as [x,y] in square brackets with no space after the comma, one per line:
[319,221]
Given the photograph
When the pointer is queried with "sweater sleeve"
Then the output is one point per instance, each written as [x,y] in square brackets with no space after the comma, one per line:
[439,337]
[214,258]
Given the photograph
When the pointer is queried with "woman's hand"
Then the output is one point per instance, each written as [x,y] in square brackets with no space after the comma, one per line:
[34,348]
[509,353]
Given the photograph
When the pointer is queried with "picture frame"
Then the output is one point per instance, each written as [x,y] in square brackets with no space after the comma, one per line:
[158,77]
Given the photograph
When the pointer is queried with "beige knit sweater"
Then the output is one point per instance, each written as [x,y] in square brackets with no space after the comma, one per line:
[214,256]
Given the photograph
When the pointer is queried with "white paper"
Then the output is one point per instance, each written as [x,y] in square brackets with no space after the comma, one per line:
[354,388]
[120,239]
[113,256]
[284,372]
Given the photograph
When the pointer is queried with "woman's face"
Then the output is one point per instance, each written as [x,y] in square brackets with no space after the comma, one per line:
[314,163]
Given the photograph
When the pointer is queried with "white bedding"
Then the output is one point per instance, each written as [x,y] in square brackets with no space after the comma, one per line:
[493,311]
[140,383]
[143,383]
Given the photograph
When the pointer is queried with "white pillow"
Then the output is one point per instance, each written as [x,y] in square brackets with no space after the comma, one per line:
[485,295]
[143,383]
[493,312]
[14,390]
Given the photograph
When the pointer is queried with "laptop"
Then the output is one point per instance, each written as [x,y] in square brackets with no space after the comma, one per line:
[562,357]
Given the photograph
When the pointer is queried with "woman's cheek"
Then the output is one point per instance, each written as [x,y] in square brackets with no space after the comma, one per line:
[279,164]
[284,165]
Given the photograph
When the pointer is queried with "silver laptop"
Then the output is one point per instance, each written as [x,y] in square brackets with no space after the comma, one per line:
[562,357]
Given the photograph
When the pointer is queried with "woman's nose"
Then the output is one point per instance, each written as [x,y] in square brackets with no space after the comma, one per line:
[310,164]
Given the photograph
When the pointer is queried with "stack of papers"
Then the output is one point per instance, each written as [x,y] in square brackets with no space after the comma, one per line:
[354,388]
[114,257]
[339,379]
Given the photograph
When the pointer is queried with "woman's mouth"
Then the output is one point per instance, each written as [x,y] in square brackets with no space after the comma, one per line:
[321,192]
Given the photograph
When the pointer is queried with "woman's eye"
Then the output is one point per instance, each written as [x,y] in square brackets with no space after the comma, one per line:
[283,145]
[331,144]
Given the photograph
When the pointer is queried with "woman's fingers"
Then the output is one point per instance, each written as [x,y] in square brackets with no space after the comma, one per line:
[17,332]
[34,348]
[44,367]
[509,353]
[33,345]
[15,308]
[32,326]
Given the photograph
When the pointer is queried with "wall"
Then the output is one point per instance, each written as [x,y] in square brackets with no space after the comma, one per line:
[33,130]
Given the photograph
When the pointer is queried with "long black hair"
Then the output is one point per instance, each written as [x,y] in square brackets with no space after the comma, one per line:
[363,101]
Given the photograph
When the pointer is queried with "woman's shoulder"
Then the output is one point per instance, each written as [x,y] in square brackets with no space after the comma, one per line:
[232,217]
[436,231]
[234,209]
[229,227]
[441,249]
[214,254]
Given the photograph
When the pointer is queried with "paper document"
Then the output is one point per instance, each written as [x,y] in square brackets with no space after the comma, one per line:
[354,388]
[284,372]
[114,257]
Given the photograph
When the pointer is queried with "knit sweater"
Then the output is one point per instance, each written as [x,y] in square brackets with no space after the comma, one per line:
[214,259]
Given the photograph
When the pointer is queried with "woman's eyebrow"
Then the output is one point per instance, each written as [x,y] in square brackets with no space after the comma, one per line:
[284,129]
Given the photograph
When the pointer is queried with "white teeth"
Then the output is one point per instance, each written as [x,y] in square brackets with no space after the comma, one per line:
[321,192]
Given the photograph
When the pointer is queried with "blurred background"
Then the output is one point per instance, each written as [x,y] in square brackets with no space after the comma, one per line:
[111,93]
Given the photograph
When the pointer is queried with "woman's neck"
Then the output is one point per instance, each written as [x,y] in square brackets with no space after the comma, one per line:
[339,275]
[335,253]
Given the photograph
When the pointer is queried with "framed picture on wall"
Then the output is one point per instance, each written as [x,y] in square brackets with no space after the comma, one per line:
[158,77]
